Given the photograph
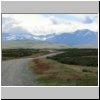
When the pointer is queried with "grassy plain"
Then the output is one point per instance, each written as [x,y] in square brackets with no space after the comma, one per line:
[53,73]
[74,67]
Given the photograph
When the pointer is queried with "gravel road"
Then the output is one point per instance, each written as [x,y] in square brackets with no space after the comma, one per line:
[17,72]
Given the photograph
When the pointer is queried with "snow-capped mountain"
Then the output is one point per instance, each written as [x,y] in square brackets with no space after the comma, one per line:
[18,36]
[78,37]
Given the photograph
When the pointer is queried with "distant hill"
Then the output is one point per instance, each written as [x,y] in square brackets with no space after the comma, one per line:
[78,38]
[31,44]
[86,46]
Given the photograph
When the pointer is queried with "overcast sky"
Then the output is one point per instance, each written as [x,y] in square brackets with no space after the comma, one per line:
[43,24]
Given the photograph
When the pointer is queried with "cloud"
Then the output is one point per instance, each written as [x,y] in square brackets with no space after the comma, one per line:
[90,19]
[84,18]
[39,24]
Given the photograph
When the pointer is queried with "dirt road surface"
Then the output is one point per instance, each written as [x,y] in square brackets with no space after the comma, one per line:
[17,72]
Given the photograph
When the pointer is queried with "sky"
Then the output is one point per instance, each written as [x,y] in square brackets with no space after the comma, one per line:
[44,24]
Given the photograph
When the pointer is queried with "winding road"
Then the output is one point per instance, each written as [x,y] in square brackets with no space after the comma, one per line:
[17,72]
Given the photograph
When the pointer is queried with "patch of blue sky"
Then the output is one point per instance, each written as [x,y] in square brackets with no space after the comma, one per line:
[64,16]
[84,18]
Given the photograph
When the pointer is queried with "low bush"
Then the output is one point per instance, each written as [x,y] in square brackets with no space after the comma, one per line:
[84,57]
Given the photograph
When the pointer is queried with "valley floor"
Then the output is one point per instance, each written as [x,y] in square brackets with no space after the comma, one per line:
[41,71]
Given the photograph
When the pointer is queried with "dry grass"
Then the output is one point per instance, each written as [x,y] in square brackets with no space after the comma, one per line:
[52,73]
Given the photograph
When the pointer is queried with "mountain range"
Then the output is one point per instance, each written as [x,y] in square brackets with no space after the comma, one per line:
[77,38]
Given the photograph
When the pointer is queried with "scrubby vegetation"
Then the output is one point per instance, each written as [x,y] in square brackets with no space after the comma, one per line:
[52,73]
[16,53]
[85,57]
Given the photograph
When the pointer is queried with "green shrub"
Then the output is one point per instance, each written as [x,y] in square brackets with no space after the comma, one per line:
[86,70]
[84,57]
[18,52]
